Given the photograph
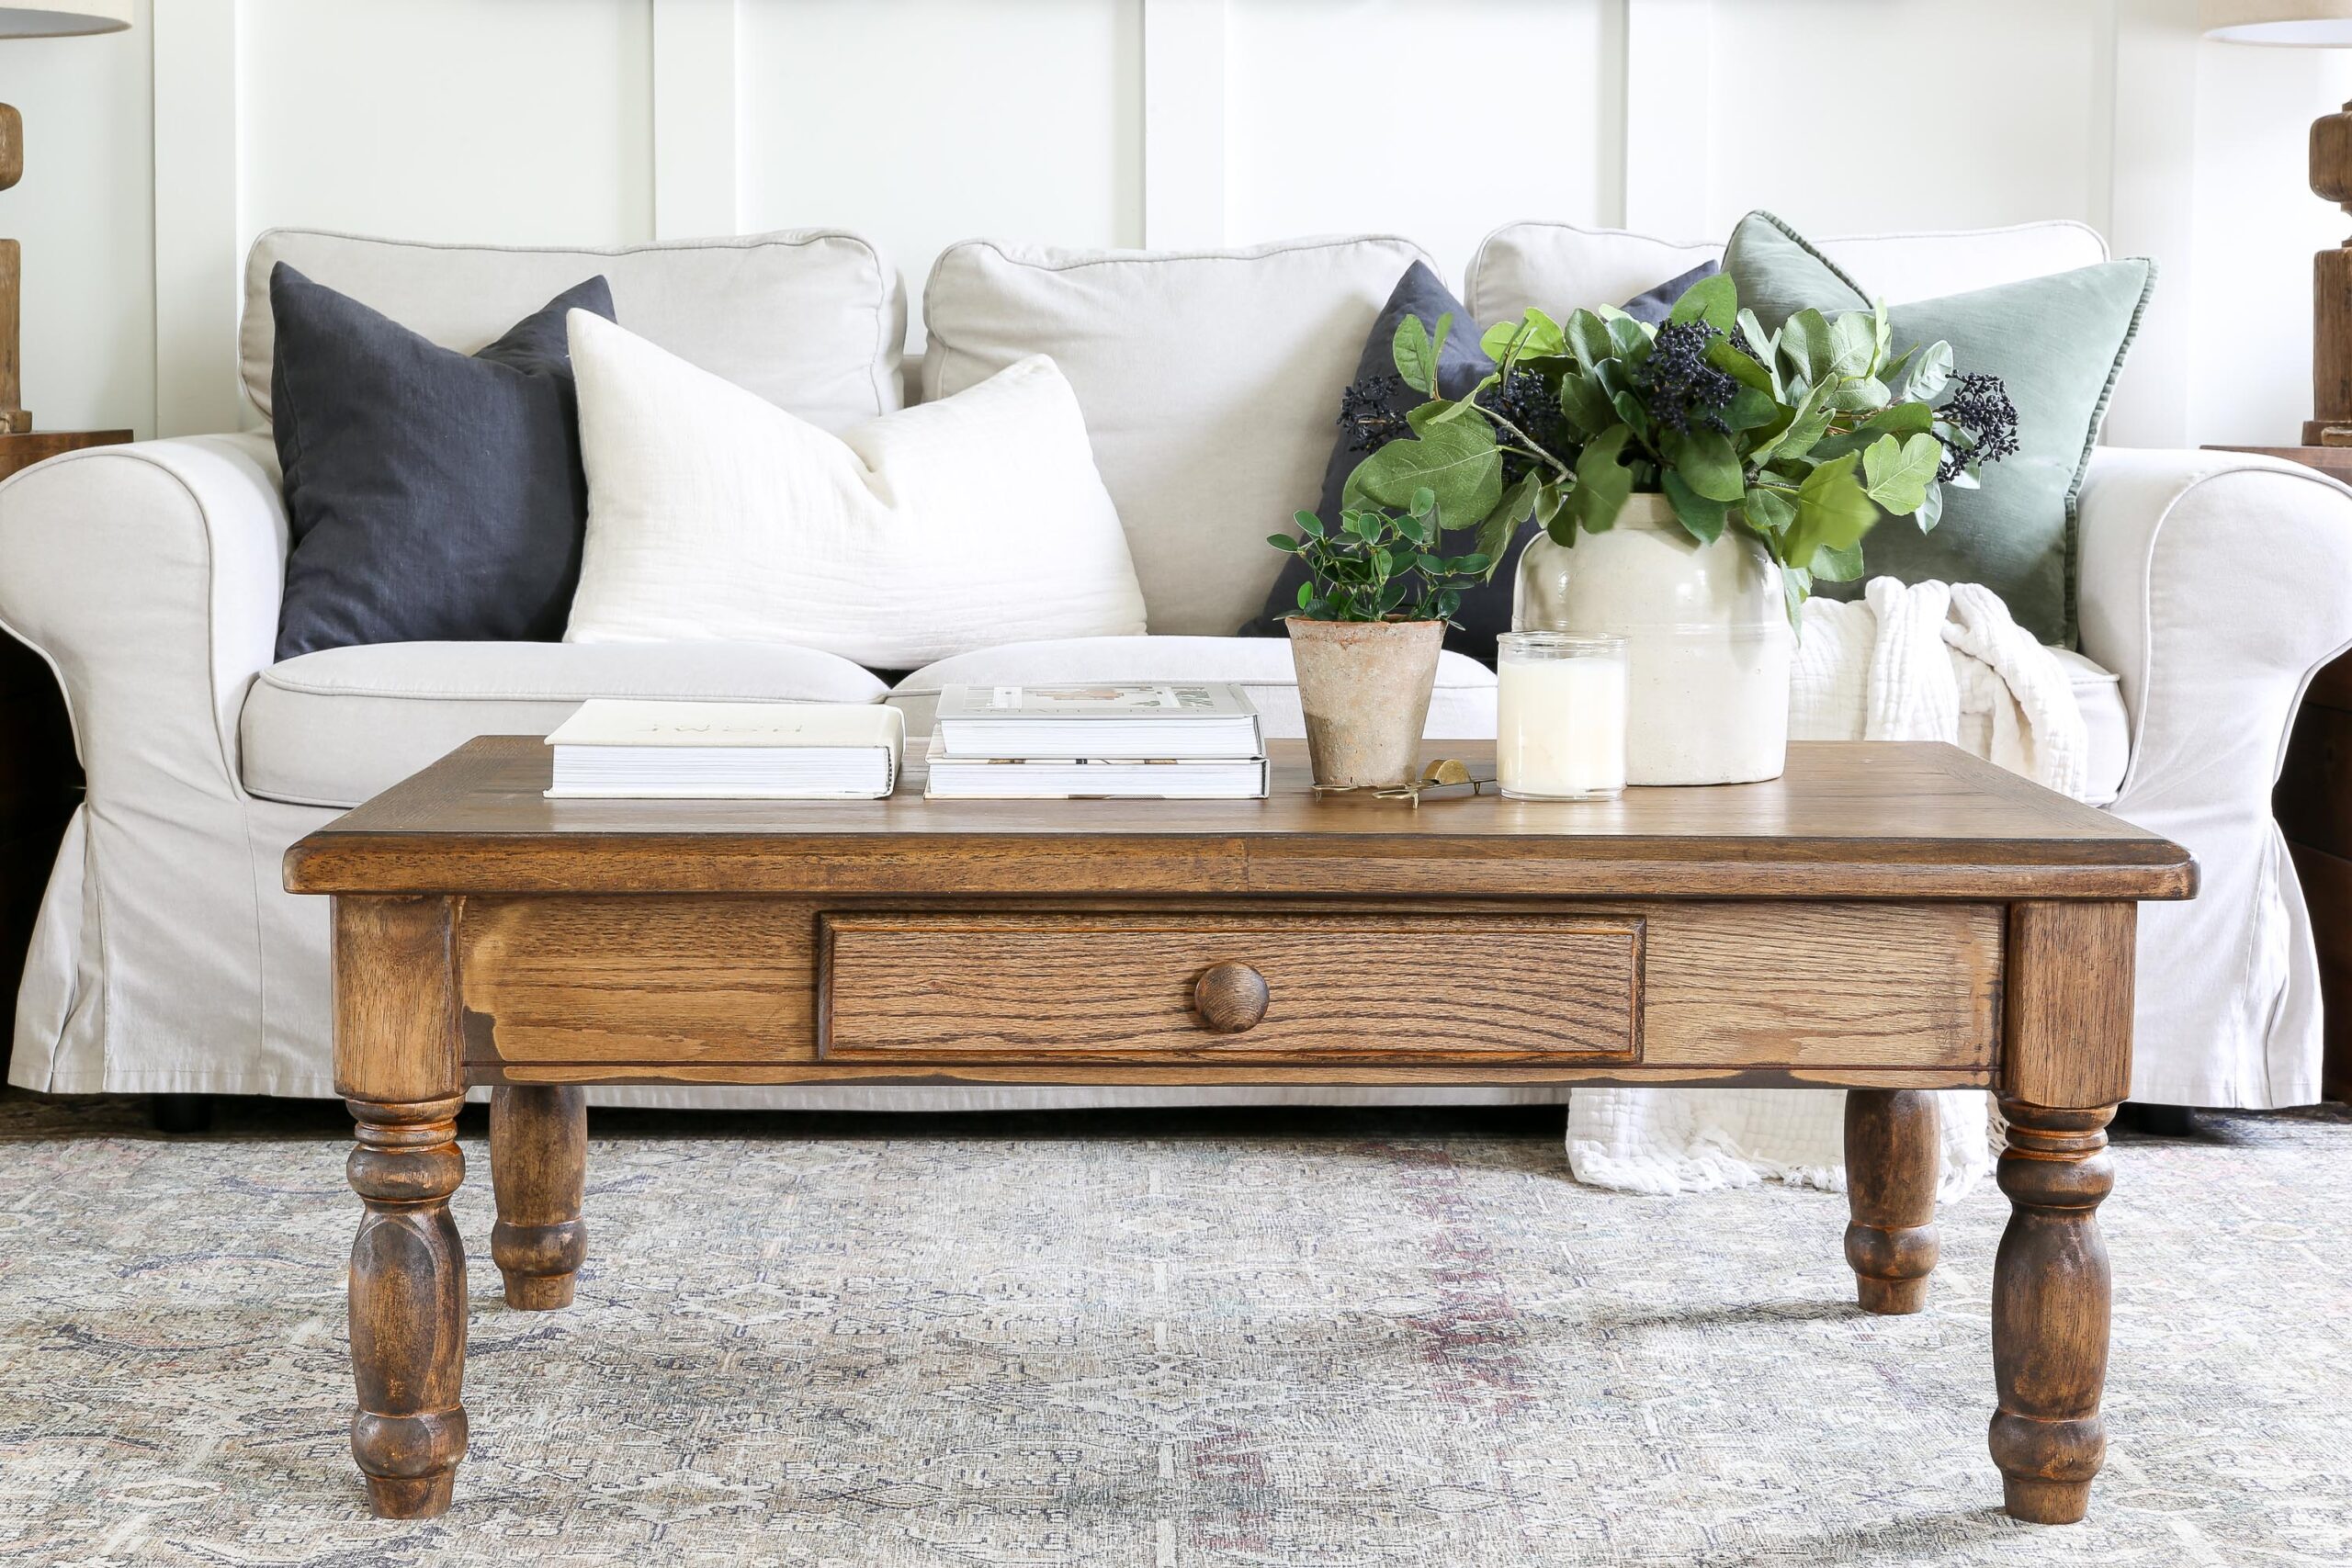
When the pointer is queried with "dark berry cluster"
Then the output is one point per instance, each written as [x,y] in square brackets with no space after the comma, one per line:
[1677,384]
[1528,401]
[1367,413]
[1981,406]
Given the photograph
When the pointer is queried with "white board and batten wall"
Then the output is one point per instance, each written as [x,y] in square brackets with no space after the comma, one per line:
[154,156]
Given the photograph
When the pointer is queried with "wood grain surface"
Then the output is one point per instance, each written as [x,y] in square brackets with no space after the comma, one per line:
[1893,1157]
[1341,986]
[699,982]
[2068,1027]
[395,1002]
[1873,820]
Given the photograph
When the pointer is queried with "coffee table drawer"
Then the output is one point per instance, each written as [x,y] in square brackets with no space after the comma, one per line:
[1403,988]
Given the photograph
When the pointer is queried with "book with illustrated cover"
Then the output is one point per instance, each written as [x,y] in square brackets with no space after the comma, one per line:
[1075,778]
[616,748]
[1101,721]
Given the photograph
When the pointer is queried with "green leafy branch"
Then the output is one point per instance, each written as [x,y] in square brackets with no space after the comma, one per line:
[1802,438]
[1378,566]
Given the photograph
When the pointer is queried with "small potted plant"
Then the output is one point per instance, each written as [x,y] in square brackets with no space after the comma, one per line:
[1693,482]
[1371,622]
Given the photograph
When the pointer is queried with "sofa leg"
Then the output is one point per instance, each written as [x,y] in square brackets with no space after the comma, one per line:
[181,1113]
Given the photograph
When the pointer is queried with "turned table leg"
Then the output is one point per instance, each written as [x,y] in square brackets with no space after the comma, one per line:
[539,1165]
[2067,1023]
[2050,1312]
[397,1065]
[1892,1156]
[408,1306]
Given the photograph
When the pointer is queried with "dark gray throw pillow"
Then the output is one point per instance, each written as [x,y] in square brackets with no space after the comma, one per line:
[1485,609]
[431,495]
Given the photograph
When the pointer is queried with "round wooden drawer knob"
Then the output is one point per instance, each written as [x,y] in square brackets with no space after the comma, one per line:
[1231,996]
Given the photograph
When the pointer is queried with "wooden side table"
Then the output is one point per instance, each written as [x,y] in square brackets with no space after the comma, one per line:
[2313,804]
[40,782]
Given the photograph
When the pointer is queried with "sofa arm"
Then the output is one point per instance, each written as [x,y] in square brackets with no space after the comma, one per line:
[2214,584]
[149,577]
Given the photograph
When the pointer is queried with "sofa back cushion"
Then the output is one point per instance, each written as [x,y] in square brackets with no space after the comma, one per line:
[812,320]
[1559,266]
[1209,381]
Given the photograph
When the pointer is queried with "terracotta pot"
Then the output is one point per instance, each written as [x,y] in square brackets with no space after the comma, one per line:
[1707,640]
[1364,687]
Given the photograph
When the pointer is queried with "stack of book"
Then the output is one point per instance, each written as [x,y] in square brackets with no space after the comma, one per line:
[680,750]
[1145,740]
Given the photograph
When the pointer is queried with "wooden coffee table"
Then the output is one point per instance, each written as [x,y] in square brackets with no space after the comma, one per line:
[1888,919]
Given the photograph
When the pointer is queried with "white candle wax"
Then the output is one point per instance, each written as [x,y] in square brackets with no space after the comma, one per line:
[1560,726]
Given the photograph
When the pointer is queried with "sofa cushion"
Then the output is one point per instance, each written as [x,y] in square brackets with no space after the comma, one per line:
[1208,380]
[334,728]
[811,319]
[1557,266]
[966,523]
[1463,708]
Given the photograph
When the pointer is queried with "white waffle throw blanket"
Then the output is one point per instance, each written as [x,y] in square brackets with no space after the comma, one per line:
[1928,662]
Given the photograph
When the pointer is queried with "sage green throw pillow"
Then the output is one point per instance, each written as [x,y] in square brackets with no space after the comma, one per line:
[2057,341]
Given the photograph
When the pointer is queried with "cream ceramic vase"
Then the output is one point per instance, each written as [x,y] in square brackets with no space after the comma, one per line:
[1707,640]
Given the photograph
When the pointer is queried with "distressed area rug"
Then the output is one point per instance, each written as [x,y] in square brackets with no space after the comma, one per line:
[1158,1339]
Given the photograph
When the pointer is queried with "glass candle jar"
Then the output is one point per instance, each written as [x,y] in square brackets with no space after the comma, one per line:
[1560,715]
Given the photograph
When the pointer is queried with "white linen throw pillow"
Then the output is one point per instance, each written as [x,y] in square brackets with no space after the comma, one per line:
[948,527]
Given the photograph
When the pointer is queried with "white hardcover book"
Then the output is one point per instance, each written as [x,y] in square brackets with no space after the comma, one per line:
[1103,720]
[1074,778]
[612,748]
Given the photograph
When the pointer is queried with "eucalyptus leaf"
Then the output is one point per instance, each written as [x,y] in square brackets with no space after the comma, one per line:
[1495,531]
[1767,511]
[1585,405]
[1931,510]
[1853,344]
[1629,409]
[1701,517]
[1796,583]
[1468,406]
[1416,358]
[1502,341]
[1836,565]
[1628,337]
[1930,372]
[1587,338]
[1714,300]
[1901,419]
[1832,510]
[1806,345]
[1710,467]
[1604,484]
[1738,366]
[1750,410]
[1858,396]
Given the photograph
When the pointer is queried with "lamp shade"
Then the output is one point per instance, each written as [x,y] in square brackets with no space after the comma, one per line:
[2308,24]
[64,21]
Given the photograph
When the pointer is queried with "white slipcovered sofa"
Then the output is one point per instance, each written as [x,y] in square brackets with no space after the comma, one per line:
[168,959]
